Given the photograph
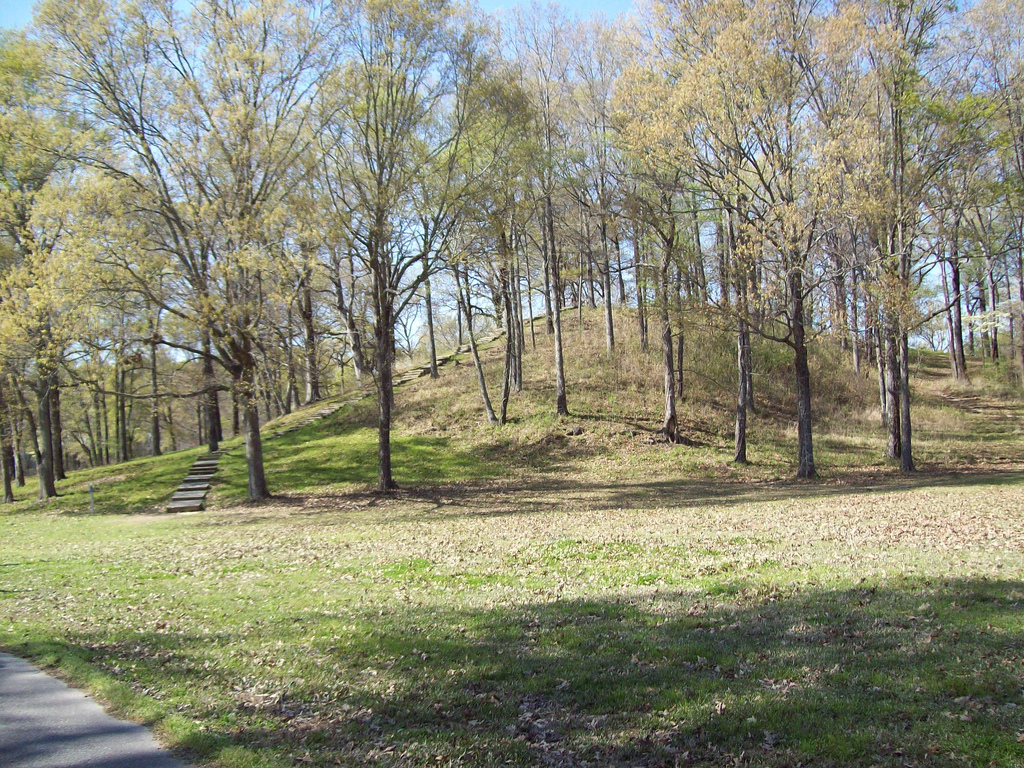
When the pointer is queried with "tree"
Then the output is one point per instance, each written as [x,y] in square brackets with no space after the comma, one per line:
[211,110]
[401,108]
[34,176]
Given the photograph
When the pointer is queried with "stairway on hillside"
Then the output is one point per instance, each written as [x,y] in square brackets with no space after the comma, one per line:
[193,489]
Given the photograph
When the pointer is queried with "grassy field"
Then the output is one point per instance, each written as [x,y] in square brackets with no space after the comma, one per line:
[534,598]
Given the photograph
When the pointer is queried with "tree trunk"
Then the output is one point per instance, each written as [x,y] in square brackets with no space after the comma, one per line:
[106,428]
[121,425]
[351,328]
[171,431]
[698,254]
[312,353]
[1020,295]
[6,448]
[892,398]
[618,270]
[680,358]
[641,292]
[200,417]
[19,454]
[953,362]
[994,302]
[212,404]
[47,488]
[855,325]
[805,443]
[384,333]
[291,385]
[154,412]
[561,406]
[31,419]
[511,344]
[740,455]
[956,300]
[431,339]
[466,308]
[669,423]
[547,258]
[90,446]
[517,323]
[253,443]
[7,459]
[609,328]
[529,297]
[906,452]
[57,432]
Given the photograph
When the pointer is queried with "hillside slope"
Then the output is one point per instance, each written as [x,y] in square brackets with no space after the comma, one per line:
[442,439]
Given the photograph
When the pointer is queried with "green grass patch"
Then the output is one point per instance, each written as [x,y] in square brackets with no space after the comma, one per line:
[558,591]
[823,628]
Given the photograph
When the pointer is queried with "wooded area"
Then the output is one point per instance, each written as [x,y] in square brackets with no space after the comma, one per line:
[212,215]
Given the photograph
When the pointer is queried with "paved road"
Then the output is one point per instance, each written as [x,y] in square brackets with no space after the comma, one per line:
[46,724]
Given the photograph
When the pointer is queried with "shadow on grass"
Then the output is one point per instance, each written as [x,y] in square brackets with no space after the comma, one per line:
[552,494]
[889,675]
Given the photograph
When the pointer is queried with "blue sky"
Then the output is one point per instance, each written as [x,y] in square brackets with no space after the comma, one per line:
[16,13]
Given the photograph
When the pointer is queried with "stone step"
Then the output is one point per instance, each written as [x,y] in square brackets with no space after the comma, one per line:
[197,478]
[185,506]
[193,487]
[188,496]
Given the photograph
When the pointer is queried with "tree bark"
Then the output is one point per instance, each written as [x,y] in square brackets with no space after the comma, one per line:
[57,432]
[956,302]
[680,359]
[431,339]
[805,442]
[47,488]
[31,419]
[19,454]
[253,443]
[171,431]
[466,308]
[351,328]
[517,324]
[7,459]
[6,447]
[669,424]
[211,401]
[313,394]
[855,344]
[906,452]
[121,415]
[1020,295]
[609,328]
[740,454]
[561,406]
[994,302]
[154,413]
[892,399]
[511,352]
[529,297]
[384,333]
[641,291]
